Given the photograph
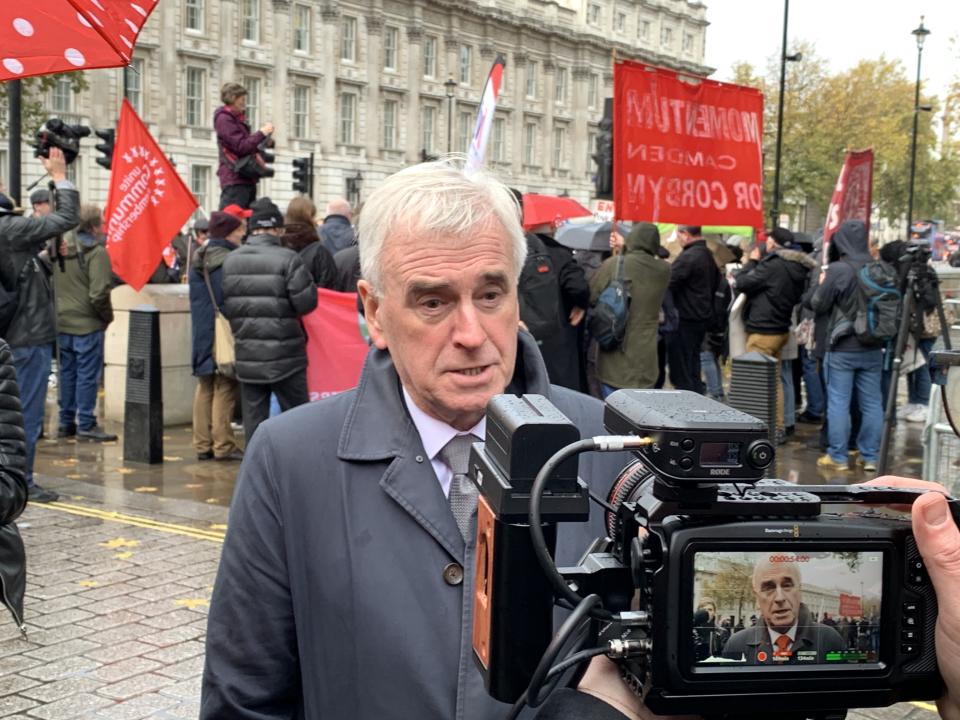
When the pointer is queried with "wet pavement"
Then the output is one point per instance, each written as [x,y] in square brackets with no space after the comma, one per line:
[121,570]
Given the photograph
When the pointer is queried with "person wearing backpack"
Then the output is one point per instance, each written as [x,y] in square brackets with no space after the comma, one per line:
[28,316]
[235,141]
[633,363]
[853,360]
[774,285]
[694,282]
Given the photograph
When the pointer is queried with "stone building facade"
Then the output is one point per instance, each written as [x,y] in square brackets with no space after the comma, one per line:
[365,86]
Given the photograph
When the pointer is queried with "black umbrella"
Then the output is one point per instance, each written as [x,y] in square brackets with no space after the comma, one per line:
[589,236]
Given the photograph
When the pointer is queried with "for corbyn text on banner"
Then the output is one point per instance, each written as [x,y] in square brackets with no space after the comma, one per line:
[686,150]
[147,204]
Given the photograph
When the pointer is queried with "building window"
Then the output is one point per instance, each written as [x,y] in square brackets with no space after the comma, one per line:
[251,20]
[200,183]
[348,39]
[430,56]
[252,112]
[593,90]
[466,64]
[530,143]
[62,95]
[560,147]
[301,28]
[196,89]
[643,30]
[391,46]
[687,42]
[390,113]
[348,117]
[666,36]
[498,133]
[593,14]
[301,111]
[560,86]
[464,131]
[133,83]
[193,15]
[532,79]
[620,22]
[428,122]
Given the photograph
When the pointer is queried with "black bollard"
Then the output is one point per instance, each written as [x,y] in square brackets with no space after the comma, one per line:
[143,405]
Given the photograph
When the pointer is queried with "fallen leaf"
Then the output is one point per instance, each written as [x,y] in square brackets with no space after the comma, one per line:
[211,501]
[75,476]
[145,489]
[125,471]
[119,543]
[218,526]
[124,555]
[172,458]
[193,486]
[192,602]
[88,583]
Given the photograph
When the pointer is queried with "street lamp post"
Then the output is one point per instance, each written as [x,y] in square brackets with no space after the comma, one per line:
[784,59]
[450,86]
[920,33]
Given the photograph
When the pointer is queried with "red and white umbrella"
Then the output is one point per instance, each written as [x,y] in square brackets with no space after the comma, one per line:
[41,37]
[550,209]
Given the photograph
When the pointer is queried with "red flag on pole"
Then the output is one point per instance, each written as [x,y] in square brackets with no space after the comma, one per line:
[852,195]
[148,202]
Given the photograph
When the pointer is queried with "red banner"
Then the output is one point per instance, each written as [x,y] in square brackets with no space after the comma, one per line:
[686,152]
[850,606]
[336,347]
[147,204]
[852,195]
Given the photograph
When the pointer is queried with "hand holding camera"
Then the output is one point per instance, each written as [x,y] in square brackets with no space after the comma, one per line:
[55,164]
[267,129]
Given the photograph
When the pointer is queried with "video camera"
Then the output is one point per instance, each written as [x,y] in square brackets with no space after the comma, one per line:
[692,518]
[56,133]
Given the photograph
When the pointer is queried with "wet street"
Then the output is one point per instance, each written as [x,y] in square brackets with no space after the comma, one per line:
[122,567]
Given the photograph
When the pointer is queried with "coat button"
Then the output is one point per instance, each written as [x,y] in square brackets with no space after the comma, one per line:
[453,574]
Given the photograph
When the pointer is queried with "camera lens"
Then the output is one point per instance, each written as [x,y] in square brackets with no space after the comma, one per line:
[760,454]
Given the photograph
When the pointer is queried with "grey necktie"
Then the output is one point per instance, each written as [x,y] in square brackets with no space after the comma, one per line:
[463,493]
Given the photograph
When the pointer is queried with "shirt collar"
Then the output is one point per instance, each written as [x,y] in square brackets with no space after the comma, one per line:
[435,434]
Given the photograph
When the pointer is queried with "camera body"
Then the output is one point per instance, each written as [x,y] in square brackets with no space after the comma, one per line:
[687,547]
[56,133]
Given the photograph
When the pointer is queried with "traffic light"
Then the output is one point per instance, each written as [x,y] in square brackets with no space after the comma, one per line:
[106,147]
[303,175]
[603,157]
[264,158]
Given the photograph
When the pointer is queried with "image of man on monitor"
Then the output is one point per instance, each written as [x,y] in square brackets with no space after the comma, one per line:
[786,630]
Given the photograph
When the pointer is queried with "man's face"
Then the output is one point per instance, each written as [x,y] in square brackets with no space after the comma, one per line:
[777,588]
[41,209]
[449,317]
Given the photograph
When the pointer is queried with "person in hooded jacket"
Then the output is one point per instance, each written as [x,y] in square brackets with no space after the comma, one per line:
[302,238]
[13,489]
[634,364]
[774,286]
[849,364]
[216,395]
[83,312]
[234,137]
[337,232]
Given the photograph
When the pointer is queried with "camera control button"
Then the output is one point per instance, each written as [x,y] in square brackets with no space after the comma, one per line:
[687,444]
[686,463]
[916,565]
[908,635]
[910,621]
[908,648]
[918,578]
[911,608]
[453,574]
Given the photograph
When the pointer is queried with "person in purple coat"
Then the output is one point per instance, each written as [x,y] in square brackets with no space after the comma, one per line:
[234,140]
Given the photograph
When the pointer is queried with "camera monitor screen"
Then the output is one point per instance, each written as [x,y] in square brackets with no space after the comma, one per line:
[781,607]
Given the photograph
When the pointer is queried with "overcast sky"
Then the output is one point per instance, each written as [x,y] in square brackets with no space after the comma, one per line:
[844,32]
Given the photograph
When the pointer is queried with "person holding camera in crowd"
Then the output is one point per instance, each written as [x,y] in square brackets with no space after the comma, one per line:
[32,323]
[603,695]
[235,141]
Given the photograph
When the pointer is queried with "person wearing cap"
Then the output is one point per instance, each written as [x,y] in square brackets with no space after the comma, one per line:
[40,202]
[216,394]
[84,311]
[32,326]
[693,282]
[234,137]
[774,286]
[266,289]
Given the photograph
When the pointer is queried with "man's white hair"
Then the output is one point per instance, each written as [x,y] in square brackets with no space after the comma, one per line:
[791,568]
[436,200]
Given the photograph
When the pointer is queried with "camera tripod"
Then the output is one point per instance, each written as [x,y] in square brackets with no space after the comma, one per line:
[917,276]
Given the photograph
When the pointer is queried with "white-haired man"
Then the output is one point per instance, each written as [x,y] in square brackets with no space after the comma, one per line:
[345,584]
[337,233]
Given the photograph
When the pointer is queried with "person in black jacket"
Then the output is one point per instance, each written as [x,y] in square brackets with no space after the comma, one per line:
[266,289]
[337,232]
[774,286]
[33,329]
[303,239]
[13,489]
[693,281]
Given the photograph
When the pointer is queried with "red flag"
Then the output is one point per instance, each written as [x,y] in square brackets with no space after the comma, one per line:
[336,347]
[852,195]
[148,202]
